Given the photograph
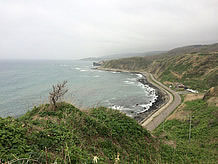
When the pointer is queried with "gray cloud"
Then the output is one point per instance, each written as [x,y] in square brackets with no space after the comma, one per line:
[51,29]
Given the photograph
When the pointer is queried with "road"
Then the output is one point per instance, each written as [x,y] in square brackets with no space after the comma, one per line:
[155,119]
[160,115]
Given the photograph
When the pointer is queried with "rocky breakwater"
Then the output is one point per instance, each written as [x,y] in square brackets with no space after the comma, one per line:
[160,100]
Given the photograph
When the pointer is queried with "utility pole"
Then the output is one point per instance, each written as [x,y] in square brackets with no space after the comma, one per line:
[190,127]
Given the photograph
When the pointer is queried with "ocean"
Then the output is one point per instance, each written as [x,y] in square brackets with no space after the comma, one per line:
[27,83]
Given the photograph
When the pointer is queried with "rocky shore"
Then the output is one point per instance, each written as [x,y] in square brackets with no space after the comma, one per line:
[161,100]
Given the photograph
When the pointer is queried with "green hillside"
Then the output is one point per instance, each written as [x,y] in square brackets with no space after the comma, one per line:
[72,136]
[198,71]
[69,135]
[202,146]
[194,66]
[131,64]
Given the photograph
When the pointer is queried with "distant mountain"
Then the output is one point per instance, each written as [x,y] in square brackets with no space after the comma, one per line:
[193,49]
[119,56]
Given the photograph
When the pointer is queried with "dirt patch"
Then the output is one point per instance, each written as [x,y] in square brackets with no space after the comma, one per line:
[168,83]
[176,74]
[37,117]
[170,143]
[213,101]
[180,114]
[191,97]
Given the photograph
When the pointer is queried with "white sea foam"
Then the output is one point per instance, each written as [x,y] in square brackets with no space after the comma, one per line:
[96,76]
[139,75]
[120,108]
[151,93]
[83,70]
[129,82]
[115,72]
[77,68]
[131,79]
[116,107]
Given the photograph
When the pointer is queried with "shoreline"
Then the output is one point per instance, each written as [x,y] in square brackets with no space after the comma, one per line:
[161,100]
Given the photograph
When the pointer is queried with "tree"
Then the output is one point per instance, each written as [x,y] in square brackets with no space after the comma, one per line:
[57,93]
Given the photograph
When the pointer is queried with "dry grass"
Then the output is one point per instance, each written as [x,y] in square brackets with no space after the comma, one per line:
[191,97]
[179,114]
[179,76]
[213,101]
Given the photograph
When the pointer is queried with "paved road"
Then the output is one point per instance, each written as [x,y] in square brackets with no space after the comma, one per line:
[159,116]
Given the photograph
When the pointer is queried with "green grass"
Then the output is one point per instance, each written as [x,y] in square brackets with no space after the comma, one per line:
[68,134]
[204,134]
[196,71]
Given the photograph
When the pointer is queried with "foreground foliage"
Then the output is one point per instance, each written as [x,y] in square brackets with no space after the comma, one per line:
[69,135]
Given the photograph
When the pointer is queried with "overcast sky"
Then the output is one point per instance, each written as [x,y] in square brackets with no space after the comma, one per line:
[70,29]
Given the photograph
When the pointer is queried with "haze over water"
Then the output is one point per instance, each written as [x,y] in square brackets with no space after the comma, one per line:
[25,83]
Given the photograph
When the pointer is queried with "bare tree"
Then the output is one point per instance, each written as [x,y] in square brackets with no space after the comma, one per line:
[58,92]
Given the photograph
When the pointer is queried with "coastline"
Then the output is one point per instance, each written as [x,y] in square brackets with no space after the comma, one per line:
[161,100]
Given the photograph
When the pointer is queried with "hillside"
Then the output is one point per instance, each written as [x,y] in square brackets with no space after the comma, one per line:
[72,136]
[194,49]
[194,66]
[125,55]
[192,130]
[198,71]
[133,64]
[69,135]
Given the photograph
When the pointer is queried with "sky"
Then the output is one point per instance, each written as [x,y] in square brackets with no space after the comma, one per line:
[74,29]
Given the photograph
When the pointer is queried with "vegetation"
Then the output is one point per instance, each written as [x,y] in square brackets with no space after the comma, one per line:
[69,135]
[58,91]
[202,147]
[133,64]
[197,71]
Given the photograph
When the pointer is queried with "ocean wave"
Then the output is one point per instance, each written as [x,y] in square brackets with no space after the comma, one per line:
[139,75]
[63,65]
[96,76]
[83,70]
[129,82]
[116,107]
[115,72]
[146,107]
[132,79]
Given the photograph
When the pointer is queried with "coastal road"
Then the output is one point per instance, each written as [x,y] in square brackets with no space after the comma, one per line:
[161,114]
[156,118]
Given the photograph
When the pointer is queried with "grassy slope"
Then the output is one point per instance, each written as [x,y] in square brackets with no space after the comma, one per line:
[133,64]
[198,71]
[69,134]
[202,147]
[195,66]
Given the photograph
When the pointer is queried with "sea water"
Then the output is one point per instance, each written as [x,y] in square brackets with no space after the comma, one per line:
[27,83]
